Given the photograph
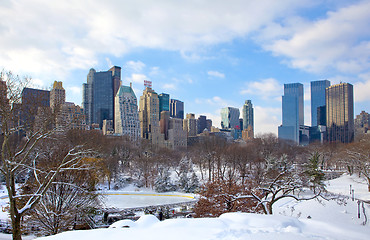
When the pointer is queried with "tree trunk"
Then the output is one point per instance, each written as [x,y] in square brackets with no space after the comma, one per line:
[16,219]
[16,224]
[269,208]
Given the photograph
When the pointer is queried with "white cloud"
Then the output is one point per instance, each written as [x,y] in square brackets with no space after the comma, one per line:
[266,88]
[135,66]
[109,62]
[215,117]
[75,90]
[216,74]
[54,38]
[169,86]
[154,71]
[336,42]
[37,83]
[361,91]
[214,101]
[266,120]
[137,78]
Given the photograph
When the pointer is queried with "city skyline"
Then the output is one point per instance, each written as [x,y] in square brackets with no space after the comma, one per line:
[209,54]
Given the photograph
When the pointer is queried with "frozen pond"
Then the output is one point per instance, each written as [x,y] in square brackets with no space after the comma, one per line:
[132,199]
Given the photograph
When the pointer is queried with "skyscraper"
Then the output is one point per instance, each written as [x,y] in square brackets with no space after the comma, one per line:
[317,99]
[292,106]
[201,123]
[126,113]
[339,113]
[209,124]
[229,117]
[149,115]
[362,123]
[176,109]
[32,100]
[164,103]
[190,125]
[248,119]
[98,95]
[57,95]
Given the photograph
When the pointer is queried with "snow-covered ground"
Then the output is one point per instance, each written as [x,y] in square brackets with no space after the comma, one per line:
[345,183]
[226,227]
[291,220]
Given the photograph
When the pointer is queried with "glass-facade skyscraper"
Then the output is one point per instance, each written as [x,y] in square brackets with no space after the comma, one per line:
[229,117]
[248,119]
[98,95]
[293,114]
[339,113]
[164,103]
[317,99]
[176,109]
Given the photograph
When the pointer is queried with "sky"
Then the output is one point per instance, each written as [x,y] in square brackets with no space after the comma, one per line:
[209,54]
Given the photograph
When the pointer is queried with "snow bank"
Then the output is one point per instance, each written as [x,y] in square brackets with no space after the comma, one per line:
[227,226]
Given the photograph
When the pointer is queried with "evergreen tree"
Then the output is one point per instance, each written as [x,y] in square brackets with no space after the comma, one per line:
[163,181]
[316,175]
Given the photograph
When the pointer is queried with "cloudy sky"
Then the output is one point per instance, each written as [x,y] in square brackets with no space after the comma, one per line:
[208,53]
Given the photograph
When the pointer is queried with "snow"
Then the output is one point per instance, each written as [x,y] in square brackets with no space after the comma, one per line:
[4,215]
[292,220]
[227,226]
[342,186]
[123,199]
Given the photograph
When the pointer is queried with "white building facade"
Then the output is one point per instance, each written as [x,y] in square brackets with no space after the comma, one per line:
[126,113]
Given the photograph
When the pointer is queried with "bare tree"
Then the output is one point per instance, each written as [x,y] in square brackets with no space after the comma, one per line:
[358,156]
[19,155]
[67,199]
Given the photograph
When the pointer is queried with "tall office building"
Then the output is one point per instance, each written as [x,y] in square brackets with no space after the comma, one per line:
[229,117]
[362,123]
[149,115]
[209,124]
[164,102]
[57,95]
[98,95]
[164,123]
[317,99]
[32,100]
[176,109]
[339,113]
[116,78]
[292,106]
[71,116]
[190,125]
[201,124]
[126,113]
[248,119]
[177,137]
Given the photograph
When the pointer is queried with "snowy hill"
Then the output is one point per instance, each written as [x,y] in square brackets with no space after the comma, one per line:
[227,226]
[291,221]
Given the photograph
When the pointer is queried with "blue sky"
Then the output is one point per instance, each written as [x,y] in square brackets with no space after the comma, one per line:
[209,54]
